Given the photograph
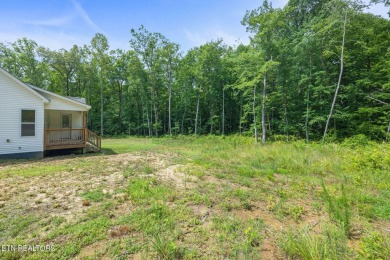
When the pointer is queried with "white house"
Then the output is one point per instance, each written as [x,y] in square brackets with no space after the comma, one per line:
[33,120]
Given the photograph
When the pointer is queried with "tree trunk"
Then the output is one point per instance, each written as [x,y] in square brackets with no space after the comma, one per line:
[120,93]
[184,116]
[307,116]
[67,87]
[240,115]
[254,114]
[169,110]
[308,106]
[223,111]
[286,121]
[148,119]
[197,113]
[155,112]
[339,81]
[101,109]
[263,110]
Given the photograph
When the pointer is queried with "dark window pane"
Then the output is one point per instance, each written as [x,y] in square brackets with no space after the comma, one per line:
[28,116]
[28,129]
[65,121]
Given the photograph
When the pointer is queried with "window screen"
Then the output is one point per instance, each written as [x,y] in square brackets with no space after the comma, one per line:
[28,123]
[66,121]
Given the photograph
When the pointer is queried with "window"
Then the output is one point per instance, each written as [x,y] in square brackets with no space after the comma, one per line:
[66,121]
[28,123]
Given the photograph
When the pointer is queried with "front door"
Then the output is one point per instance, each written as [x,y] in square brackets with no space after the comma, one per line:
[66,123]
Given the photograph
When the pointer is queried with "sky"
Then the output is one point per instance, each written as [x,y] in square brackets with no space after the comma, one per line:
[60,24]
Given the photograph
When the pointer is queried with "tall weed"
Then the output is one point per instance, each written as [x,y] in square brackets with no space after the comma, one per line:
[338,208]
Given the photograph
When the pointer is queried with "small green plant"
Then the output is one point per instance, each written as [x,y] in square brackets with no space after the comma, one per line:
[247,205]
[296,211]
[338,208]
[227,206]
[95,195]
[145,191]
[56,221]
[148,169]
[165,248]
[129,171]
[241,194]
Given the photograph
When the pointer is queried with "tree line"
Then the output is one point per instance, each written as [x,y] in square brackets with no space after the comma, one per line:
[280,85]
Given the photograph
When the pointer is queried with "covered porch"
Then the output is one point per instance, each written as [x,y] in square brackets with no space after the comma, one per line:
[66,129]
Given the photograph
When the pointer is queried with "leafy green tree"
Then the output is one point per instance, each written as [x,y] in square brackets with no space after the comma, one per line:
[63,62]
[100,60]
[169,62]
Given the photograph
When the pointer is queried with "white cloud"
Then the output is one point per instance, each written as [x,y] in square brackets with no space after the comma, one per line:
[83,14]
[199,38]
[48,39]
[55,32]
[61,21]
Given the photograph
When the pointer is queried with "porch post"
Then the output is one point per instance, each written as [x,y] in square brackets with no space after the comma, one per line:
[84,119]
[85,130]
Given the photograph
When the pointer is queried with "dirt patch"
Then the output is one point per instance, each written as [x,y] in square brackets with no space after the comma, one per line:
[174,174]
[60,194]
[97,249]
[269,248]
[382,225]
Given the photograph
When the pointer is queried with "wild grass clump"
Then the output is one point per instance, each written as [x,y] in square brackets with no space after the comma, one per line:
[166,248]
[375,245]
[94,196]
[147,190]
[338,208]
[331,243]
[238,239]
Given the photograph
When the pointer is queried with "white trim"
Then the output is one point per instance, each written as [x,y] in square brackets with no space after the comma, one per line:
[35,124]
[61,97]
[45,100]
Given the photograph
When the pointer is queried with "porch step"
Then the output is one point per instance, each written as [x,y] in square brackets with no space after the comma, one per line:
[93,141]
[92,148]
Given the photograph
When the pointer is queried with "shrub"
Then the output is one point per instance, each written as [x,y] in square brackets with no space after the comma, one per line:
[356,141]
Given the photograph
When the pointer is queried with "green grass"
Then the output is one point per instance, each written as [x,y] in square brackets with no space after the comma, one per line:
[235,198]
[95,195]
[304,244]
[127,145]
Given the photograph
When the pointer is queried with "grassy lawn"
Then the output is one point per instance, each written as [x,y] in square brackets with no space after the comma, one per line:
[201,198]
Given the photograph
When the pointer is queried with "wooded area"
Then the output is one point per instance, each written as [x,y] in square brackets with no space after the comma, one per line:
[282,83]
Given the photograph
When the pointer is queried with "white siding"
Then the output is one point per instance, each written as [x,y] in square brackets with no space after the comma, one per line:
[14,98]
[61,104]
[53,118]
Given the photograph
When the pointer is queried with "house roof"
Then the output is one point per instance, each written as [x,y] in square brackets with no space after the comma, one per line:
[73,100]
[36,91]
[24,85]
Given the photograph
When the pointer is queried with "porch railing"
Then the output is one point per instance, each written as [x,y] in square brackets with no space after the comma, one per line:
[65,137]
[93,139]
[71,138]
